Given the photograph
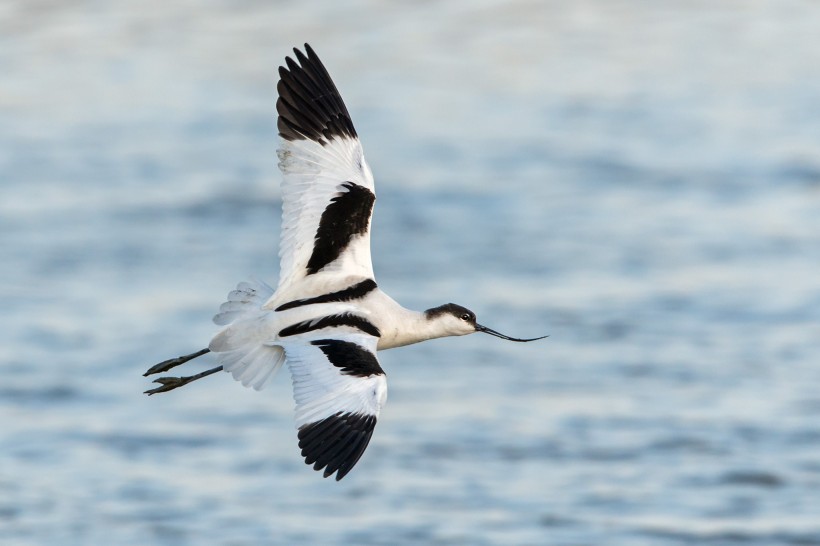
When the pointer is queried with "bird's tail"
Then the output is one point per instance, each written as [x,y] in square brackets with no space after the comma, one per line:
[254,365]
[240,347]
[248,298]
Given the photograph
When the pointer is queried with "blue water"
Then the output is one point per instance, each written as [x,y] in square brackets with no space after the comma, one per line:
[639,180]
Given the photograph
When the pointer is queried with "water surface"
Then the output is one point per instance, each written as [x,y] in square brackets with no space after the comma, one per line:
[640,182]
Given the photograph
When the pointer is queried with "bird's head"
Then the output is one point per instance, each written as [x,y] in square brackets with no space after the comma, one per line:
[455,320]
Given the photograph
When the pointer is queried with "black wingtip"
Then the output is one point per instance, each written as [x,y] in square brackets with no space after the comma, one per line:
[309,105]
[336,443]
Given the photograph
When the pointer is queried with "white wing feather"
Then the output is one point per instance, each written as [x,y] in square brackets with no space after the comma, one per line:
[320,389]
[313,174]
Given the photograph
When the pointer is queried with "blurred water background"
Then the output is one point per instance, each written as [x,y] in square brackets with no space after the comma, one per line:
[640,180]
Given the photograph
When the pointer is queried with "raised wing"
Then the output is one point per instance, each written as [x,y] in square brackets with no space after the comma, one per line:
[327,190]
[339,389]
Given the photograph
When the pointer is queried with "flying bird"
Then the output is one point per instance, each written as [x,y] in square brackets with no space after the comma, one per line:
[326,318]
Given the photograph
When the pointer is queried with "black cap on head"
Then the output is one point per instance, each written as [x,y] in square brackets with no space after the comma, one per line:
[468,316]
[451,309]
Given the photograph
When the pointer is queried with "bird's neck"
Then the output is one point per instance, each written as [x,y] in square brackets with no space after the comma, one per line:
[405,327]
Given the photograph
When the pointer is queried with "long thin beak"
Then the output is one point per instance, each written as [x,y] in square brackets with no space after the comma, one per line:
[480,328]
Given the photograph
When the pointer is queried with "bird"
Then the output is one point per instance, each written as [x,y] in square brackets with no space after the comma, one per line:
[327,318]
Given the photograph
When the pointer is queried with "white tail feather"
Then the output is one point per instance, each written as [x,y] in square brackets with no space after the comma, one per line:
[254,367]
[240,347]
[248,297]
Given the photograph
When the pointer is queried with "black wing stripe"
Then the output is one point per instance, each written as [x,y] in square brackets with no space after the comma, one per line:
[357,291]
[350,358]
[347,215]
[341,450]
[330,321]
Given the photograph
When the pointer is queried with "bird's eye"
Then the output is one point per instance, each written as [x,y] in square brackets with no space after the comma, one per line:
[466,317]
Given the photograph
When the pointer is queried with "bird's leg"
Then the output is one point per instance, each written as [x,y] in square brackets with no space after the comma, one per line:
[166,365]
[171,383]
